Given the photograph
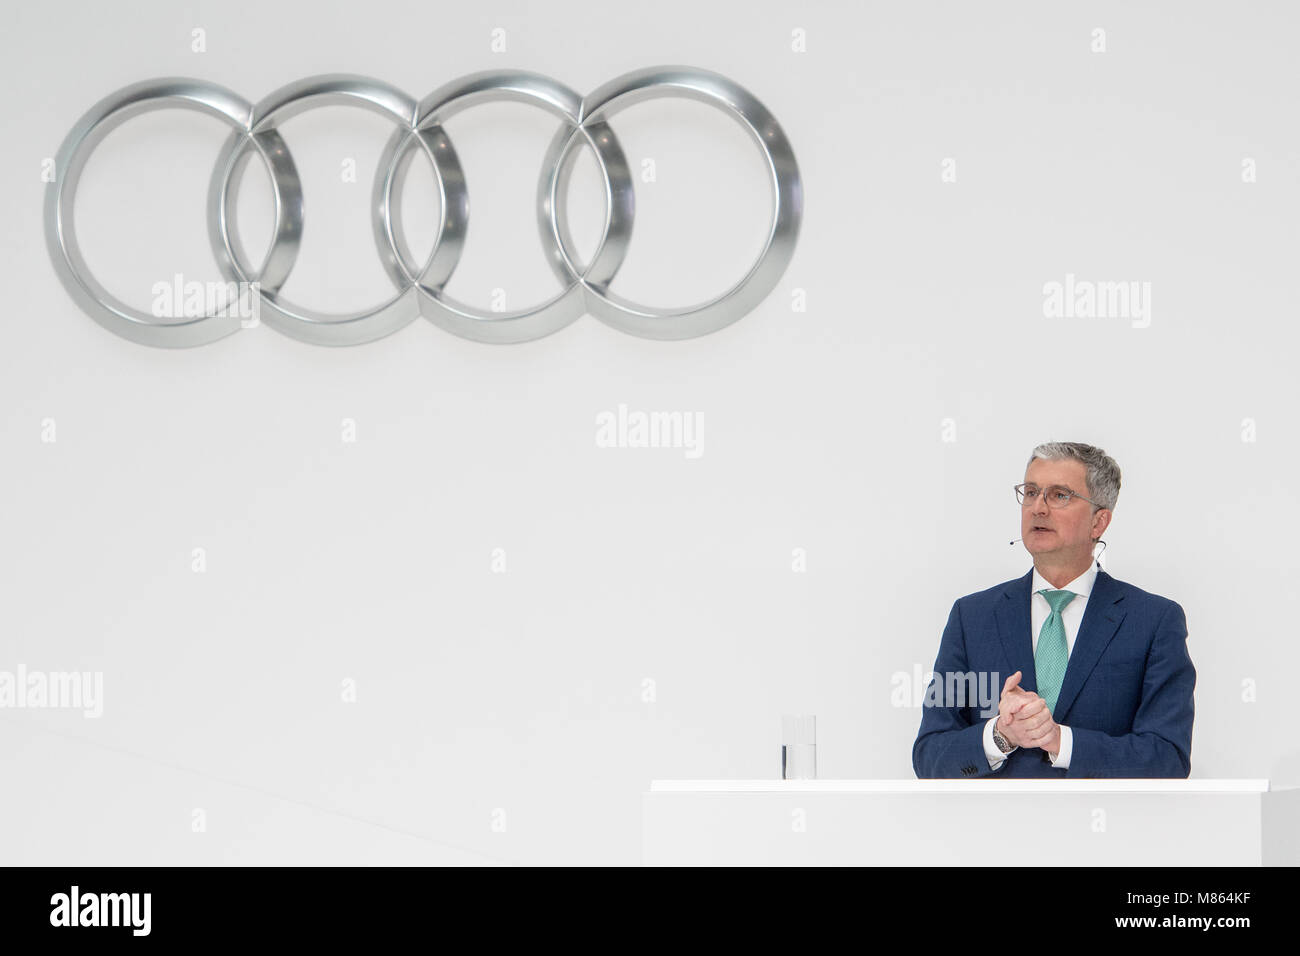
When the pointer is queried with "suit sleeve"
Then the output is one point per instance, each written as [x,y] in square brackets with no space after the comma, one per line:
[950,742]
[1160,744]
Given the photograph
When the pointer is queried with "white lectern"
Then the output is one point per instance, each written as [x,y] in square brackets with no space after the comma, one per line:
[970,822]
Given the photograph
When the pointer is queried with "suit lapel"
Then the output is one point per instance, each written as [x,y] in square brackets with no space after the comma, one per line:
[1012,615]
[1101,620]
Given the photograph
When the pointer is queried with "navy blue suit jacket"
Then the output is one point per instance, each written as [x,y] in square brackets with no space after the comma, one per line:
[1126,696]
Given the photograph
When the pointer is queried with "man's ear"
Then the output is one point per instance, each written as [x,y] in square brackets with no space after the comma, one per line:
[1100,522]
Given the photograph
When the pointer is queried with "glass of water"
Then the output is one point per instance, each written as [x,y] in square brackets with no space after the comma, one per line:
[798,747]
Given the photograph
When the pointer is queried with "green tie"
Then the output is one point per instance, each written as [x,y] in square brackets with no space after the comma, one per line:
[1051,655]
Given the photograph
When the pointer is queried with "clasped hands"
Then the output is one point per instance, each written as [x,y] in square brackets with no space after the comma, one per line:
[1023,718]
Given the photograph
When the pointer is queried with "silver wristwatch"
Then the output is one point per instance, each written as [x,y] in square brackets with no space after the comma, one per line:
[1002,743]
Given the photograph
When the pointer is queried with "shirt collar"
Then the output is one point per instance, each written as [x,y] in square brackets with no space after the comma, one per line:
[1083,584]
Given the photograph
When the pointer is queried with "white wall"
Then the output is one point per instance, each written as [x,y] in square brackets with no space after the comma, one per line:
[523,691]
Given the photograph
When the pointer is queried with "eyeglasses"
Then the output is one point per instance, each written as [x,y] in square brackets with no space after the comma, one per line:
[1056,496]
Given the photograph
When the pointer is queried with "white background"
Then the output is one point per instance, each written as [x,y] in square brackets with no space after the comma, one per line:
[519,698]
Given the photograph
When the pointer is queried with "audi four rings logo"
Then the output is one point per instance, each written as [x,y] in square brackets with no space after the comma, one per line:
[420,287]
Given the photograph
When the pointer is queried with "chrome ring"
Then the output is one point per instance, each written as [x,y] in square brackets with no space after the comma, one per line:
[557,312]
[60,235]
[787,207]
[289,101]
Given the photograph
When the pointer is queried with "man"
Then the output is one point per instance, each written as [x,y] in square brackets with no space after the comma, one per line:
[1099,680]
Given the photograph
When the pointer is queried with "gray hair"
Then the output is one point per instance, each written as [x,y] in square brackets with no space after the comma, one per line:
[1102,473]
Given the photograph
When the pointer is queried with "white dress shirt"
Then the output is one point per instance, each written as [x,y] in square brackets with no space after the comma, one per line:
[1039,612]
